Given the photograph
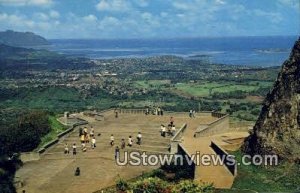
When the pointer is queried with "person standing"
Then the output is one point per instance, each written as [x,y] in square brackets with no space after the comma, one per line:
[163,131]
[74,149]
[93,142]
[194,112]
[130,141]
[123,144]
[173,130]
[191,113]
[139,138]
[80,132]
[85,131]
[83,147]
[82,138]
[116,114]
[92,132]
[171,121]
[112,140]
[117,153]
[66,149]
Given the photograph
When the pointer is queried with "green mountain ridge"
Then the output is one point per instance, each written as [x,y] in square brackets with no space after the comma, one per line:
[13,38]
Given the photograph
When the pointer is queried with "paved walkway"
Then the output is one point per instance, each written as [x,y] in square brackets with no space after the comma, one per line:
[54,172]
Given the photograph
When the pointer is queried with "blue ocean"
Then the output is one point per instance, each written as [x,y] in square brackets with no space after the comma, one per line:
[254,51]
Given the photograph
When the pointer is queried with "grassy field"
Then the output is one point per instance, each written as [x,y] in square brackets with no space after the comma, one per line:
[205,89]
[282,178]
[56,128]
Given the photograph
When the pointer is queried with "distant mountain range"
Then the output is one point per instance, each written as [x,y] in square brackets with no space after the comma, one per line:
[13,38]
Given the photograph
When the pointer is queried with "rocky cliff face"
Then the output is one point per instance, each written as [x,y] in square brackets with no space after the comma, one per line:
[277,130]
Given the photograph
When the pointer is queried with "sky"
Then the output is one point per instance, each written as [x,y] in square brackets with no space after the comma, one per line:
[110,19]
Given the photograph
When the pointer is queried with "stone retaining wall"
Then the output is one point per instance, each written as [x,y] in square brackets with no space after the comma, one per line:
[223,154]
[174,141]
[221,125]
[29,156]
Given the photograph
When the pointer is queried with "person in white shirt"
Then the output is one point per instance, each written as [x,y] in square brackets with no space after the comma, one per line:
[173,130]
[93,142]
[92,132]
[66,149]
[139,138]
[130,141]
[163,131]
[112,140]
[74,149]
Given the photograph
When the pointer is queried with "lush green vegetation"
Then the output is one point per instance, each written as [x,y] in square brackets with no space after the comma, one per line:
[53,99]
[25,133]
[8,167]
[282,178]
[19,132]
[157,182]
[206,89]
[56,128]
[157,185]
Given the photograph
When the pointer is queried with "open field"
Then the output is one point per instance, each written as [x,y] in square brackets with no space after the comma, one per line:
[205,89]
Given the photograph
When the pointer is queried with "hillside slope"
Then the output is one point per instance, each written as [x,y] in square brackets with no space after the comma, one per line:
[13,38]
[277,130]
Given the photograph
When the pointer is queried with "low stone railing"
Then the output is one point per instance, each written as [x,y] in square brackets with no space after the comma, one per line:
[217,114]
[218,126]
[176,139]
[132,111]
[60,135]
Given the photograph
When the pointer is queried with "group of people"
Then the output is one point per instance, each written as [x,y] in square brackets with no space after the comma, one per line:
[155,111]
[192,113]
[85,138]
[171,130]
[123,143]
[89,137]
[74,149]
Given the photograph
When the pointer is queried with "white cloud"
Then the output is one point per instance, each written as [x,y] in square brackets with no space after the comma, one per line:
[41,16]
[113,5]
[54,14]
[15,20]
[90,18]
[26,2]
[181,5]
[274,17]
[146,15]
[108,23]
[295,4]
[220,2]
[23,23]
[142,3]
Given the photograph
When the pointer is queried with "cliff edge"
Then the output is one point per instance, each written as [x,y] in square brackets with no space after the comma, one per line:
[277,130]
